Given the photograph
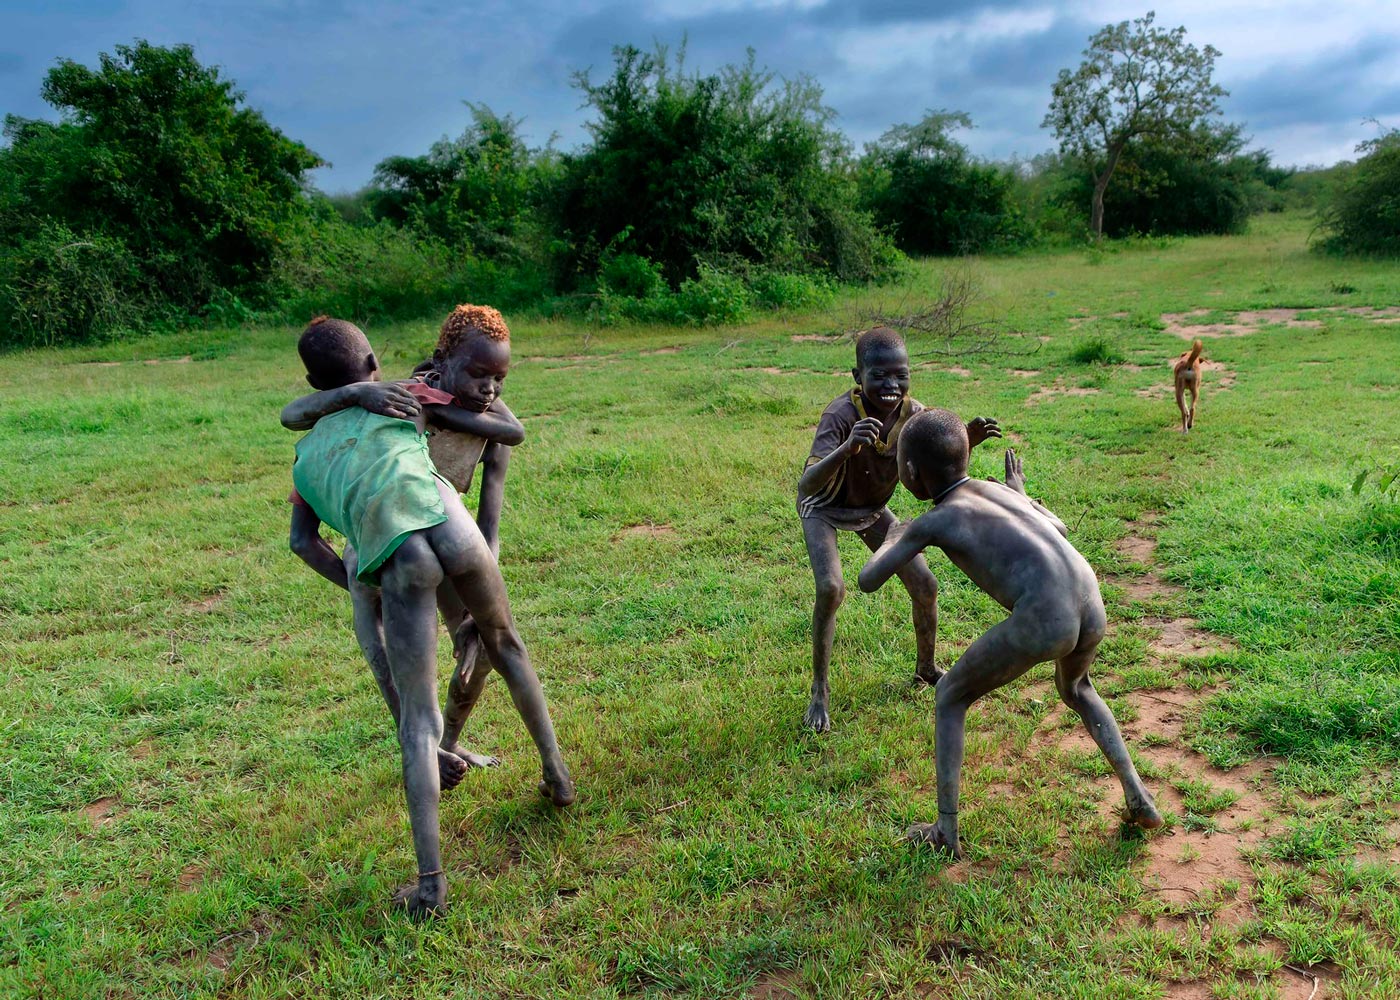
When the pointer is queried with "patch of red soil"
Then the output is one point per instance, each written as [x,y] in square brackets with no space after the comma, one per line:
[644,531]
[779,984]
[104,810]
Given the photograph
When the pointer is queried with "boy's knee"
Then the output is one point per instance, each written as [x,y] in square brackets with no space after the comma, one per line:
[831,591]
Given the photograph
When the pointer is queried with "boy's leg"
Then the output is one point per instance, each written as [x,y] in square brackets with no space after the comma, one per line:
[468,675]
[465,557]
[369,632]
[922,586]
[1077,690]
[410,578]
[825,558]
[1003,653]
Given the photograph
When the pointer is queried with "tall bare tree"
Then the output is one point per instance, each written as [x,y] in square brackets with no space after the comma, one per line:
[1136,80]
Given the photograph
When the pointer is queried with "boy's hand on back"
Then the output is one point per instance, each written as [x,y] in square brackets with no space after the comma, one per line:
[981,428]
[865,432]
[388,399]
[1014,477]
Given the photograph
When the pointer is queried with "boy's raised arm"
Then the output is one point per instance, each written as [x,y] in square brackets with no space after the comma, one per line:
[903,543]
[1016,479]
[387,398]
[817,474]
[496,424]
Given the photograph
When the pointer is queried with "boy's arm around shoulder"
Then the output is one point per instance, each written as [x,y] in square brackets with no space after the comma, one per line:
[497,424]
[389,399]
[904,542]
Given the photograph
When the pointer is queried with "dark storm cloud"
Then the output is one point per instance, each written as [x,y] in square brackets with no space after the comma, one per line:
[1331,88]
[1034,59]
[882,12]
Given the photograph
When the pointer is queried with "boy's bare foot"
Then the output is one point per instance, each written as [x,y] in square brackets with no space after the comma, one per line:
[473,759]
[452,768]
[928,675]
[424,898]
[1143,814]
[558,787]
[816,718]
[933,835]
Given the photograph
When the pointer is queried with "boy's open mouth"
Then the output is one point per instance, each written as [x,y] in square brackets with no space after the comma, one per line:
[890,397]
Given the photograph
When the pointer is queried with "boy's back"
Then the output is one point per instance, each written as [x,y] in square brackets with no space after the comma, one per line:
[1004,543]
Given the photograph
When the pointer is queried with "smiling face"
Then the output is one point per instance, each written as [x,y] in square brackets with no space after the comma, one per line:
[475,371]
[883,376]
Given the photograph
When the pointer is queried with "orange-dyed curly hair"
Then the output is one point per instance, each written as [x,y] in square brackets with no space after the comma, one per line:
[468,320]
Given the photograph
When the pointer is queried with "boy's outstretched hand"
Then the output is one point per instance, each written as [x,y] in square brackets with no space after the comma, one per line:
[981,428]
[1014,477]
[389,399]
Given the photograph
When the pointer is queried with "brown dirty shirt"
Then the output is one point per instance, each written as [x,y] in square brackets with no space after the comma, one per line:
[868,478]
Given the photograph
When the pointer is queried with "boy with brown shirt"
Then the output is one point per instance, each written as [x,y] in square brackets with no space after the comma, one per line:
[851,474]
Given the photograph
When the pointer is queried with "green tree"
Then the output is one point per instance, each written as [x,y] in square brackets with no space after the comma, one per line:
[477,190]
[921,184]
[1136,81]
[158,155]
[1362,215]
[728,170]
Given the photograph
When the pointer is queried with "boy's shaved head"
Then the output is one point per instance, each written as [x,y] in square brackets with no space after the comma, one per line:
[335,352]
[875,338]
[934,439]
[468,321]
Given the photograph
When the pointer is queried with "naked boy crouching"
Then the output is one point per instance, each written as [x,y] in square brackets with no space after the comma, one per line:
[1016,551]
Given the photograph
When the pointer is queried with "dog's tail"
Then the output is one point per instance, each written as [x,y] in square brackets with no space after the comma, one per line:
[1196,349]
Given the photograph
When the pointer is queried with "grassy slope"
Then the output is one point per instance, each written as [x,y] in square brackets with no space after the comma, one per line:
[201,790]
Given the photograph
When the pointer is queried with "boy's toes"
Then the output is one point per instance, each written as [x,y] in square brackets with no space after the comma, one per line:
[817,719]
[1143,815]
[451,769]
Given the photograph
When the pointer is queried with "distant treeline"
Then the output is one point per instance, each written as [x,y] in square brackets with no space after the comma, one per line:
[161,199]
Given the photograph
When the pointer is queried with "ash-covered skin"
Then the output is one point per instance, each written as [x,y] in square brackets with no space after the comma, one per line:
[1017,552]
[475,372]
[400,631]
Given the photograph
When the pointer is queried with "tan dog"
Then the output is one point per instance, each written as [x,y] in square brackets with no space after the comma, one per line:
[1187,373]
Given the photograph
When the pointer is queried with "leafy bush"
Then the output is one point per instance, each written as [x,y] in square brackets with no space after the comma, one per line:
[59,286]
[922,185]
[718,169]
[1363,215]
[1198,184]
[779,290]
[1096,351]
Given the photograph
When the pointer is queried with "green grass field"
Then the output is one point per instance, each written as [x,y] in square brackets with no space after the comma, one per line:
[201,791]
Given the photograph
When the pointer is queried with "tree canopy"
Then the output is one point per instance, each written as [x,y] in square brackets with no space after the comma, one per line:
[156,161]
[1137,80]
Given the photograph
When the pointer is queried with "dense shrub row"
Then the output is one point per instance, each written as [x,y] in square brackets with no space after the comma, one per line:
[159,197]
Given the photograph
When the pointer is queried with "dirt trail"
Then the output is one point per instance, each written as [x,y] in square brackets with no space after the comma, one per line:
[1198,871]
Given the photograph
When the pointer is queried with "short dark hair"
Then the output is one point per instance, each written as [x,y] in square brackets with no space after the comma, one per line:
[335,352]
[935,438]
[873,339]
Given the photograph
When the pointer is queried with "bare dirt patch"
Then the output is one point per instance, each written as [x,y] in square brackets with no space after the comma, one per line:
[1058,388]
[1181,637]
[1247,322]
[206,604]
[960,372]
[190,877]
[645,531]
[104,810]
[816,338]
[1025,372]
[661,350]
[1138,548]
[779,984]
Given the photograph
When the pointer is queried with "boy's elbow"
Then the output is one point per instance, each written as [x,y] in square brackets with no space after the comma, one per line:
[513,436]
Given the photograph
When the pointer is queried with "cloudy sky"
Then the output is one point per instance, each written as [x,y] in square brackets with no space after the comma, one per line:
[360,81]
